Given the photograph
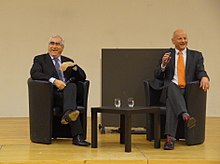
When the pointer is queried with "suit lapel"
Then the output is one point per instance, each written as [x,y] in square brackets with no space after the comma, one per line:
[188,63]
[172,62]
[63,59]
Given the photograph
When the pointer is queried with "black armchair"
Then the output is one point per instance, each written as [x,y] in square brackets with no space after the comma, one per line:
[45,118]
[196,104]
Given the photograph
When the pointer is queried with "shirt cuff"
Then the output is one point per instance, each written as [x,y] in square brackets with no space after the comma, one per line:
[162,68]
[52,79]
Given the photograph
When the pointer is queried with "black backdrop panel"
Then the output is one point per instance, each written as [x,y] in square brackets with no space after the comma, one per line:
[123,73]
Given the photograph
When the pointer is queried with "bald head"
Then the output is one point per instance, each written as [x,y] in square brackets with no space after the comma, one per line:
[178,32]
[180,39]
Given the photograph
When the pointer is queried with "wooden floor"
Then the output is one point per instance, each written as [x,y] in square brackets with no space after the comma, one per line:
[16,147]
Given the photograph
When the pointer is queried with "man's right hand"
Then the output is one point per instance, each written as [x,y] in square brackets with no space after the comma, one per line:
[59,84]
[166,59]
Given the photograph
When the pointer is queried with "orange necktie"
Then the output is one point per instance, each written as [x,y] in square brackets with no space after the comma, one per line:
[181,71]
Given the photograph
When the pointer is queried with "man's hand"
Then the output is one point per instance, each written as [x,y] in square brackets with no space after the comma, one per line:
[166,59]
[65,65]
[74,67]
[204,83]
[59,84]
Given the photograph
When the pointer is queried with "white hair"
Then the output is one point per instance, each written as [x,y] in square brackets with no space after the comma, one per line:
[57,36]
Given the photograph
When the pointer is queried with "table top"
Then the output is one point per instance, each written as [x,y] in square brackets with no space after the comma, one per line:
[126,109]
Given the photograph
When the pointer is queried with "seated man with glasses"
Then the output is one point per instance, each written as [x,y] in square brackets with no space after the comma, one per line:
[60,70]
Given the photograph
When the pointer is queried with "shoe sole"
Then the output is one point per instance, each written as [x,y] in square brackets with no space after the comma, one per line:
[191,122]
[85,144]
[165,148]
[71,117]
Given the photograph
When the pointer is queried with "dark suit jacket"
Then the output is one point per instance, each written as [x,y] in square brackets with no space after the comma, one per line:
[43,69]
[194,70]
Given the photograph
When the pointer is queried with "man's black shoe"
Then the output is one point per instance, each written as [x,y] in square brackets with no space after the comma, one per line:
[191,122]
[77,140]
[69,116]
[169,145]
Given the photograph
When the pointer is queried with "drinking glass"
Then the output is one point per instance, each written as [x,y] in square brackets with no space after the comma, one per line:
[131,102]
[117,102]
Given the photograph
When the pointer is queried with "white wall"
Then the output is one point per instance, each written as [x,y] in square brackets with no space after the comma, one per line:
[90,25]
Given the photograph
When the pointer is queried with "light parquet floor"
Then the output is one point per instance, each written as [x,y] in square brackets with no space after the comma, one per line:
[16,147]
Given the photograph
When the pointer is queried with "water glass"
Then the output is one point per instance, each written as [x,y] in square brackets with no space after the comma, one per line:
[131,102]
[117,102]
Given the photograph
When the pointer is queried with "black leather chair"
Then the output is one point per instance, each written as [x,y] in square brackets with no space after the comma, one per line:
[196,104]
[45,118]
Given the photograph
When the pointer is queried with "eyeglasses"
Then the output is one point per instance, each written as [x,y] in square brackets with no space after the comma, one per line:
[55,44]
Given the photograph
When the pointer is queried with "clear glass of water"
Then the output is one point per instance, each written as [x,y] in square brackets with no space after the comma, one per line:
[131,102]
[117,102]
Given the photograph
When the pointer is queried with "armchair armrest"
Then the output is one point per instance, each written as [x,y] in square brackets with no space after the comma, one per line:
[195,99]
[82,99]
[196,106]
[40,110]
[82,93]
[152,96]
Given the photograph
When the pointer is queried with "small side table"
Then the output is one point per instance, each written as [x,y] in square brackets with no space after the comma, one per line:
[125,123]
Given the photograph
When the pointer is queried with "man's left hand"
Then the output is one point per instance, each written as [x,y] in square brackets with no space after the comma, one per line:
[65,65]
[204,83]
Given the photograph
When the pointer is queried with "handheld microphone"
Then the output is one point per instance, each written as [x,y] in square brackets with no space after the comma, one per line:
[168,53]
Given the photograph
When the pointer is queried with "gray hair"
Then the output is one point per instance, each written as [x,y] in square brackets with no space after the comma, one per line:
[57,36]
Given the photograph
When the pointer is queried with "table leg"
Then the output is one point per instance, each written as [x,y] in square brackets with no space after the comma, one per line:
[122,129]
[94,129]
[127,132]
[157,129]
